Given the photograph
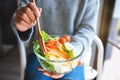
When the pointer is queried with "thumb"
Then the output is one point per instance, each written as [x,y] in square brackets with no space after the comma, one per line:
[40,10]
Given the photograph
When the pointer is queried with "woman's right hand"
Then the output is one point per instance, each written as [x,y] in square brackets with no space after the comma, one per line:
[26,17]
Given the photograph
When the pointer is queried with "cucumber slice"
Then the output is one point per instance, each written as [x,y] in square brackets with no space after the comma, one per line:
[50,57]
[68,46]
[73,53]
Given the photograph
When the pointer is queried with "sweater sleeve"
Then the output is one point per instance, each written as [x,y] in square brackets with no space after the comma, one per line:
[24,36]
[86,29]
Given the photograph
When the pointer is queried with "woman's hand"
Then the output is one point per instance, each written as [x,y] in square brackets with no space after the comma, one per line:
[52,75]
[26,17]
[55,76]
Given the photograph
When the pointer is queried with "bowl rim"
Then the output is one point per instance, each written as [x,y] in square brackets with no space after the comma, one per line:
[58,61]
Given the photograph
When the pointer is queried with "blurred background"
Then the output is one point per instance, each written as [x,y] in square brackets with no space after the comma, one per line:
[108,31]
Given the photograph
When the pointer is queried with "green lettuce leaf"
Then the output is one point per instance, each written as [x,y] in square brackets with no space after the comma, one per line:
[45,36]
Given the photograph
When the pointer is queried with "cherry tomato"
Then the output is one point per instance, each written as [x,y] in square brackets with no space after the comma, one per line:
[62,40]
[67,38]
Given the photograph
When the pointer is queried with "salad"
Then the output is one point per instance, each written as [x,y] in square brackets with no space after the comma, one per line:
[61,56]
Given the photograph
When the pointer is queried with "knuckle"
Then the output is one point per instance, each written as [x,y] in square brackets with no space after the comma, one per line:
[22,8]
[27,9]
[23,15]
[20,21]
[31,4]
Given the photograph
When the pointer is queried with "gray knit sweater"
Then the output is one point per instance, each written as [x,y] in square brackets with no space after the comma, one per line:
[73,17]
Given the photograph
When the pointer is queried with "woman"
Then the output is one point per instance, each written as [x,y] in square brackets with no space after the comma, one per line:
[72,17]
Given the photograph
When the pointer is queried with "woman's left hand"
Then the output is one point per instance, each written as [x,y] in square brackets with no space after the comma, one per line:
[52,75]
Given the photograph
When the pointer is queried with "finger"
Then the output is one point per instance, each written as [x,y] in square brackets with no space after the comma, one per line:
[24,16]
[47,73]
[41,69]
[79,63]
[40,10]
[21,25]
[56,76]
[34,9]
[29,13]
